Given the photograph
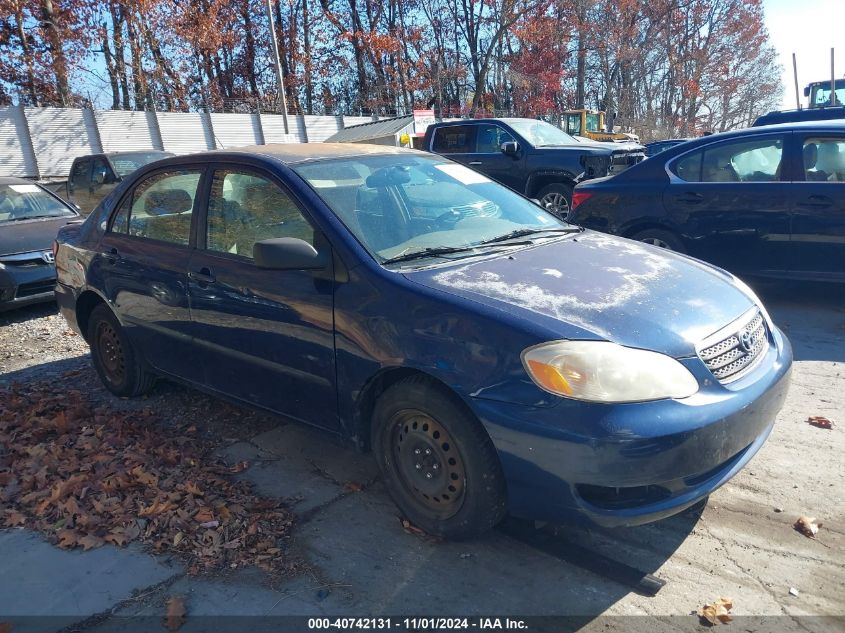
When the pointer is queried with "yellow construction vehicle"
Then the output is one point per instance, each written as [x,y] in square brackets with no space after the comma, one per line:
[591,124]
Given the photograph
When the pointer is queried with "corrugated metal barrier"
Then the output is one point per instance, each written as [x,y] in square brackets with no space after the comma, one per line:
[42,142]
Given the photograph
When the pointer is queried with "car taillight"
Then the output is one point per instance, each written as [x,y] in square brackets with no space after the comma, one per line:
[55,249]
[580,197]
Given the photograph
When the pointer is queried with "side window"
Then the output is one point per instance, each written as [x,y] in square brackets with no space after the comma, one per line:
[454,139]
[490,138]
[746,161]
[245,208]
[160,207]
[80,177]
[689,167]
[102,174]
[824,159]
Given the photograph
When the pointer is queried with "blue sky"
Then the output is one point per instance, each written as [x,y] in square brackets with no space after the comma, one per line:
[808,28]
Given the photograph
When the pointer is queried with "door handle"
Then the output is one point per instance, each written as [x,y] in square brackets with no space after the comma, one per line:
[203,277]
[690,197]
[476,162]
[816,202]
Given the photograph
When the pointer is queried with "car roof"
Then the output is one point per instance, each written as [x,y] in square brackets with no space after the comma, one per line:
[136,151]
[14,180]
[292,153]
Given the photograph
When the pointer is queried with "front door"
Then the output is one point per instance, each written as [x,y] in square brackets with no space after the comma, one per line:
[143,265]
[263,336]
[733,197]
[79,185]
[818,220]
[489,159]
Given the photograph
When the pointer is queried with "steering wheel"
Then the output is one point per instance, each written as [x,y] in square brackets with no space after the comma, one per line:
[449,219]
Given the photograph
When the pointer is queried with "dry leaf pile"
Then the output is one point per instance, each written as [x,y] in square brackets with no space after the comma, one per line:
[717,612]
[86,475]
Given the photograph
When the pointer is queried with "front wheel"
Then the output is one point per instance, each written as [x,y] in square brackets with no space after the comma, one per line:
[556,199]
[114,358]
[439,464]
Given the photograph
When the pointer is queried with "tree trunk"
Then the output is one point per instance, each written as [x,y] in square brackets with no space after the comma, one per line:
[54,44]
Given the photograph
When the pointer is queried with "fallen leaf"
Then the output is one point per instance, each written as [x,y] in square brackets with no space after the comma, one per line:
[13,519]
[352,486]
[176,612]
[239,467]
[204,515]
[90,541]
[68,538]
[193,489]
[178,539]
[820,421]
[410,528]
[717,612]
[210,524]
[807,526]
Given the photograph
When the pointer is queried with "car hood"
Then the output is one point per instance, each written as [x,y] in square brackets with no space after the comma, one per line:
[598,286]
[31,235]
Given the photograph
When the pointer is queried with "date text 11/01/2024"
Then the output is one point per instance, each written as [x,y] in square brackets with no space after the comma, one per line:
[417,624]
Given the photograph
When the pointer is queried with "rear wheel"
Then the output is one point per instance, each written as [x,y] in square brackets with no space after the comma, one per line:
[661,238]
[556,198]
[114,358]
[438,462]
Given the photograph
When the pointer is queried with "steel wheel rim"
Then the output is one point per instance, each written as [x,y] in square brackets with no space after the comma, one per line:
[556,203]
[428,463]
[656,241]
[110,353]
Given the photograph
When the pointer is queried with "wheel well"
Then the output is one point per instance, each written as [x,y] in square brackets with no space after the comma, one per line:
[84,306]
[538,182]
[644,226]
[380,383]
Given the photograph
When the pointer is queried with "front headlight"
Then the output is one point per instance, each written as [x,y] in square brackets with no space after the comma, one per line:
[600,371]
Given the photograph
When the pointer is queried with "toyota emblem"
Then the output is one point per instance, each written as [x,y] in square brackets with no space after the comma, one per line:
[746,341]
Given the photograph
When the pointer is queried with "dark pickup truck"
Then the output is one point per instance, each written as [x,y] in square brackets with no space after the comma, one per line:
[530,156]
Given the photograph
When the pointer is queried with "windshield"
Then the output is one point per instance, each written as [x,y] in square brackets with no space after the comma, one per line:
[401,204]
[540,133]
[28,201]
[125,164]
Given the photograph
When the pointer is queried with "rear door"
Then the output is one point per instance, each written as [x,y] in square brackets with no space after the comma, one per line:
[733,200]
[143,267]
[263,336]
[456,142]
[818,220]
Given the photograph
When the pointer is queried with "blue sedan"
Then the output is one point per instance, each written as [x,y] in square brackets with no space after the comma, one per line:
[494,358]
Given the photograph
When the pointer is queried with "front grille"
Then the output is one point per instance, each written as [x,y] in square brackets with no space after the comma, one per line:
[35,288]
[736,354]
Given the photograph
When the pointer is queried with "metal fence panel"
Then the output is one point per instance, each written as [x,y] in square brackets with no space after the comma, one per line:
[185,132]
[123,131]
[319,128]
[59,135]
[349,121]
[17,157]
[274,129]
[235,130]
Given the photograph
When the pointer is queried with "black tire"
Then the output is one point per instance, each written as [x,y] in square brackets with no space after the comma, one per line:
[115,360]
[662,238]
[466,494]
[557,199]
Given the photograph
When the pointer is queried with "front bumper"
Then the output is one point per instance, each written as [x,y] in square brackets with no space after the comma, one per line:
[25,285]
[628,464]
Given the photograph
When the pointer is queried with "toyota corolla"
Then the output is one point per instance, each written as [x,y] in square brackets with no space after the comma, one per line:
[494,358]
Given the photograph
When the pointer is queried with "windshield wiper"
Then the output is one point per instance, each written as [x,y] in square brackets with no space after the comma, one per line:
[427,252]
[524,232]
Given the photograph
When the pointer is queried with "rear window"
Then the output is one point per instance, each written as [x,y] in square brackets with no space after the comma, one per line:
[454,139]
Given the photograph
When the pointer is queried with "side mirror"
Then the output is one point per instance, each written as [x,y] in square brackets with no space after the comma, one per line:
[511,148]
[806,91]
[288,253]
